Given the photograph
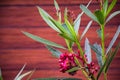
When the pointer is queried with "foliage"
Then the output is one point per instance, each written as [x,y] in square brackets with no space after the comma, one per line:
[71,60]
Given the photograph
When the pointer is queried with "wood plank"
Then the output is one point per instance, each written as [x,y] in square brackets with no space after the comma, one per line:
[46,2]
[46,66]
[17,17]
[16,49]
[16,40]
[52,73]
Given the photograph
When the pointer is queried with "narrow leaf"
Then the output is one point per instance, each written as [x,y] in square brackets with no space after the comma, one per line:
[97,48]
[46,17]
[56,5]
[73,69]
[112,56]
[108,61]
[23,75]
[67,36]
[99,16]
[77,25]
[58,10]
[105,6]
[71,29]
[78,20]
[99,32]
[101,70]
[88,51]
[54,51]
[111,6]
[41,40]
[114,39]
[58,25]
[65,13]
[89,13]
[79,16]
[68,41]
[112,15]
[66,28]
[20,72]
[86,29]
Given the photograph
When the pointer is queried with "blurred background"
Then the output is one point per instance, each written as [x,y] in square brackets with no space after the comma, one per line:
[16,49]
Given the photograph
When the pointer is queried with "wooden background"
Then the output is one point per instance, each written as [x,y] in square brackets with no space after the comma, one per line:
[16,49]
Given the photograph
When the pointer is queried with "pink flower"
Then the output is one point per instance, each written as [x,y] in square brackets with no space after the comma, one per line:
[67,62]
[92,68]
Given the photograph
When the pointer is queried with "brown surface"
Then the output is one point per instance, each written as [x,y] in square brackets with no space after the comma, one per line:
[17,49]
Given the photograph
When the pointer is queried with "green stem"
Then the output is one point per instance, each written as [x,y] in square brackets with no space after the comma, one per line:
[103,49]
[83,70]
[105,76]
[102,41]
[69,48]
[79,47]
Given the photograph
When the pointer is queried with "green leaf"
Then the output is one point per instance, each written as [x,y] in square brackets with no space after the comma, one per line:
[44,41]
[58,10]
[57,79]
[68,41]
[54,51]
[46,17]
[77,25]
[66,28]
[112,15]
[86,29]
[58,25]
[111,6]
[1,75]
[79,16]
[65,13]
[99,16]
[105,6]
[101,70]
[89,13]
[71,29]
[97,49]
[67,36]
[88,51]
[99,32]
[73,69]
[56,5]
[113,40]
[112,56]
[78,20]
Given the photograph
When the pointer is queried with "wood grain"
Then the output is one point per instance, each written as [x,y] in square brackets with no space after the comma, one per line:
[16,49]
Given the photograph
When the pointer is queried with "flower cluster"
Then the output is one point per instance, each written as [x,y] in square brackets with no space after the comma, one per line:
[67,61]
[71,16]
[92,68]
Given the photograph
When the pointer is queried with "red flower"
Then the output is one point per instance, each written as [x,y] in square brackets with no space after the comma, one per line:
[67,62]
[92,68]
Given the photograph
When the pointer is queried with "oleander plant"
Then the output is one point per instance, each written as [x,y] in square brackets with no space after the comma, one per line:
[67,26]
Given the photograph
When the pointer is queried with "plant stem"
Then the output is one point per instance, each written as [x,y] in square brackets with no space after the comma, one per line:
[79,47]
[83,70]
[69,48]
[102,42]
[103,49]
[105,76]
